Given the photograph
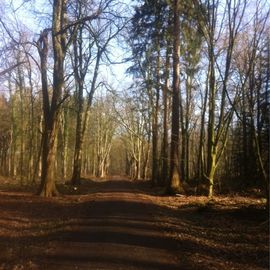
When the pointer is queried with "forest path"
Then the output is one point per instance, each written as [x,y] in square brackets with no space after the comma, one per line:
[123,224]
[118,228]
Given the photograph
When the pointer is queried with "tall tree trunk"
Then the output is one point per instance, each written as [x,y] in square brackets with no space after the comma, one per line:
[183,137]
[52,110]
[31,121]
[201,158]
[211,157]
[12,166]
[155,154]
[175,185]
[77,162]
[21,86]
[82,121]
[186,138]
[165,153]
[65,134]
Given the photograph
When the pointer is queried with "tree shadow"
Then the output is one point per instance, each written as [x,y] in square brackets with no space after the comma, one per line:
[90,186]
[128,234]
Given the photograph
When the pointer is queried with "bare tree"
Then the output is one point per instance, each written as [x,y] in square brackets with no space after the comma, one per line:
[92,50]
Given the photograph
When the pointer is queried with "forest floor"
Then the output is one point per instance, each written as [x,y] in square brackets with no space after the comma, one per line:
[120,224]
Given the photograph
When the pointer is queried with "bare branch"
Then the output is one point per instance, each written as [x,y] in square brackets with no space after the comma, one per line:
[10,68]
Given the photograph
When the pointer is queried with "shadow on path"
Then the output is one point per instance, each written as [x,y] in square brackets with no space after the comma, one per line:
[118,225]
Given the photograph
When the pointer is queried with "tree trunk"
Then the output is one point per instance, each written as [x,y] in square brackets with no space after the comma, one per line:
[77,162]
[21,86]
[65,134]
[175,185]
[82,122]
[51,109]
[201,158]
[48,187]
[165,153]
[31,121]
[211,153]
[155,154]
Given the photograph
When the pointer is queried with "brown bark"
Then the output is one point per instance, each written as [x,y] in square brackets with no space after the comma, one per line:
[77,162]
[51,109]
[165,153]
[81,127]
[175,185]
[155,154]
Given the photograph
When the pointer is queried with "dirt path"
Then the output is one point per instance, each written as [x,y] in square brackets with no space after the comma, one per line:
[120,224]
[114,227]
[119,231]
